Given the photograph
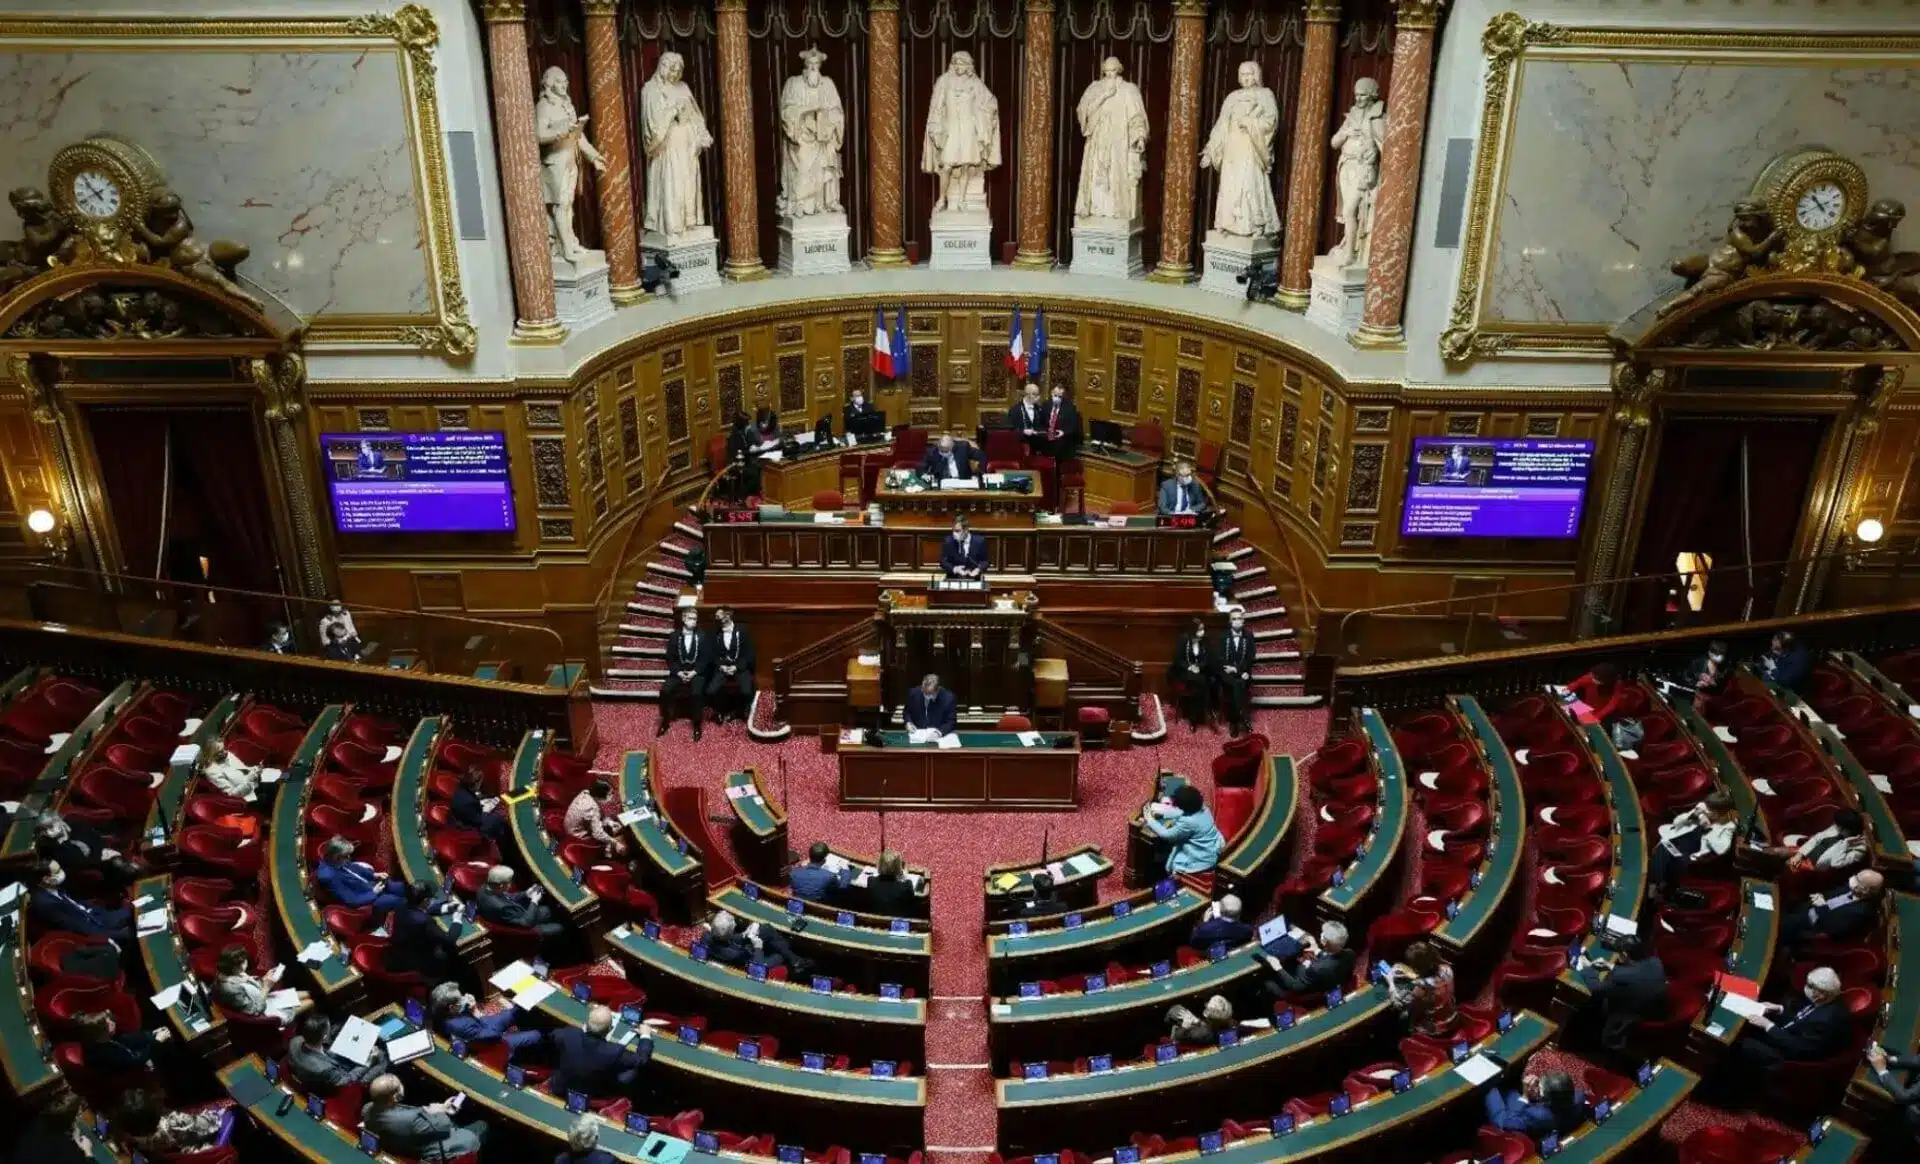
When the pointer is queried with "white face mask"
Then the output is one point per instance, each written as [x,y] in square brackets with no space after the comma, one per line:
[1236,627]
[858,401]
[1813,995]
[58,879]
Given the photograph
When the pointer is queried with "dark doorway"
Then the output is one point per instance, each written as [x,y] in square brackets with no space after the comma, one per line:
[1731,488]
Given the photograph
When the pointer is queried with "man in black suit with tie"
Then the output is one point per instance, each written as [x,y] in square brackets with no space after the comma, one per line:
[964,553]
[1192,668]
[1063,423]
[949,459]
[1817,1027]
[1233,665]
[1028,418]
[931,706]
[859,415]
[689,659]
[586,1060]
[732,659]
[53,907]
[1633,990]
[1843,917]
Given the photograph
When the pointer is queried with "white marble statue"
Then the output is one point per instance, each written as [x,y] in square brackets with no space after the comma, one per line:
[1113,118]
[1240,150]
[963,137]
[813,126]
[674,132]
[563,142]
[1357,173]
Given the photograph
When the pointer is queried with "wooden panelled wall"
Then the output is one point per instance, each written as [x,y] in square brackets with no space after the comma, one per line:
[1889,491]
[32,476]
[1329,458]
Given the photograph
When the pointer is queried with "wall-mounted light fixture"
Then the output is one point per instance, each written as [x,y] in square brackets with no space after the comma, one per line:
[46,527]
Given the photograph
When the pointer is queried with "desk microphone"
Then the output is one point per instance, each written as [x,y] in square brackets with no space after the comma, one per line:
[1046,834]
[883,830]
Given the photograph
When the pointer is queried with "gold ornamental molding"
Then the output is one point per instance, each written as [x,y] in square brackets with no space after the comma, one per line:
[414,36]
[1323,11]
[1507,42]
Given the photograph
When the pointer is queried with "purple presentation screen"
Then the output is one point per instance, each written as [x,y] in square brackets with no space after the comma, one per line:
[419,482]
[1463,487]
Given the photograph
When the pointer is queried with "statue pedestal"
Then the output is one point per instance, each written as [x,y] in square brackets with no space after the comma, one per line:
[1225,257]
[1107,248]
[962,240]
[580,295]
[815,245]
[696,254]
[1339,294]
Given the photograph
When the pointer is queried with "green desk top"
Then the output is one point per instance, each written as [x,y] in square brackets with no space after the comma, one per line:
[532,1107]
[310,1139]
[487,671]
[28,1068]
[888,492]
[1841,1145]
[1436,1089]
[1085,861]
[1178,912]
[287,862]
[1628,885]
[1901,1029]
[18,682]
[1389,823]
[59,766]
[1889,840]
[1205,978]
[1634,1118]
[1509,833]
[661,846]
[562,675]
[1270,825]
[171,796]
[987,740]
[1752,955]
[166,963]
[1132,458]
[531,835]
[787,1078]
[1732,778]
[401,660]
[753,810]
[884,942]
[406,810]
[1895,695]
[797,998]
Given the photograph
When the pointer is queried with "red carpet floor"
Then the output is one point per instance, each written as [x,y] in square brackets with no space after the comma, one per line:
[956,848]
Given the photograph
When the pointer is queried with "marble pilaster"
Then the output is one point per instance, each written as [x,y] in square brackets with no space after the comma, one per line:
[736,143]
[887,247]
[532,265]
[1306,191]
[1393,205]
[1036,142]
[614,185]
[1183,143]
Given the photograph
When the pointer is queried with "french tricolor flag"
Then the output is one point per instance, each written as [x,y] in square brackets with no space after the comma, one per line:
[1017,348]
[882,345]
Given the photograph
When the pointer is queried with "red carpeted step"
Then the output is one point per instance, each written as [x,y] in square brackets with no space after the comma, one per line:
[1276,670]
[1235,550]
[623,689]
[689,528]
[678,546]
[667,571]
[646,626]
[638,648]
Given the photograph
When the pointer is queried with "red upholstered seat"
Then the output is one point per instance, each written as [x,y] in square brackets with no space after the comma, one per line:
[828,501]
[1231,808]
[1013,723]
[1719,1143]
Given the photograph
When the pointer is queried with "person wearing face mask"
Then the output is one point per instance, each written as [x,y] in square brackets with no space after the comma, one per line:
[1905,1096]
[321,1071]
[336,615]
[451,1010]
[1063,422]
[1028,416]
[1708,674]
[1841,845]
[1192,669]
[1180,493]
[1844,917]
[1233,665]
[1816,1026]
[860,417]
[78,846]
[689,662]
[964,553]
[949,459]
[733,659]
[226,772]
[53,906]
[279,640]
[743,440]
[342,646]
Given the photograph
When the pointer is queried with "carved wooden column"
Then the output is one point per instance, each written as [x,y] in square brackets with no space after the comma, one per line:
[1305,189]
[1036,143]
[736,144]
[615,184]
[1634,389]
[282,382]
[1183,143]
[519,157]
[887,246]
[1393,203]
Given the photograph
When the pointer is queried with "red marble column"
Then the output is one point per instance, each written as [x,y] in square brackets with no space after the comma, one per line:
[1393,203]
[887,247]
[519,157]
[1036,143]
[1183,143]
[1305,188]
[614,185]
[736,144]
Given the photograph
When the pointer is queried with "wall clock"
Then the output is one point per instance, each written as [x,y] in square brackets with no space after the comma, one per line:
[1816,198]
[103,186]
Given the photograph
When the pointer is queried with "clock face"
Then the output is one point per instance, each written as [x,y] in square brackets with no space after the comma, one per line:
[95,195]
[1820,206]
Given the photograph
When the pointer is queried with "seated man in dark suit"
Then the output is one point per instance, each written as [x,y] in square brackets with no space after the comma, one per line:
[1180,493]
[733,659]
[104,1047]
[471,808]
[858,415]
[1844,917]
[1233,668]
[1043,901]
[78,847]
[1316,968]
[931,706]
[964,553]
[1786,662]
[53,907]
[586,1060]
[419,943]
[451,1010]
[949,459]
[1222,924]
[1906,1096]
[730,945]
[816,880]
[1818,1027]
[320,1070]
[1192,669]
[689,659]
[497,902]
[1633,990]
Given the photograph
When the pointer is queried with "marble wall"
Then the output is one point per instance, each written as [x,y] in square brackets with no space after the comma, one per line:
[306,156]
[1616,166]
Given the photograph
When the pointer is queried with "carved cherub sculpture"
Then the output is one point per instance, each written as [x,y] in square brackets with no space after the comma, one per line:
[1872,245]
[191,259]
[1751,241]
[42,229]
[165,226]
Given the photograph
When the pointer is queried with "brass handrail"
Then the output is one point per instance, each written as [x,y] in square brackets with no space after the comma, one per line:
[1306,630]
[603,602]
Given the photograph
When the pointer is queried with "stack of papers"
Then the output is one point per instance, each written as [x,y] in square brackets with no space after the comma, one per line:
[525,990]
[271,775]
[828,519]
[634,816]
[923,735]
[409,1047]
[316,952]
[742,792]
[1030,739]
[1763,901]
[1626,927]
[153,921]
[949,741]
[853,735]
[184,754]
[872,660]
[959,483]
[993,480]
[1477,1069]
